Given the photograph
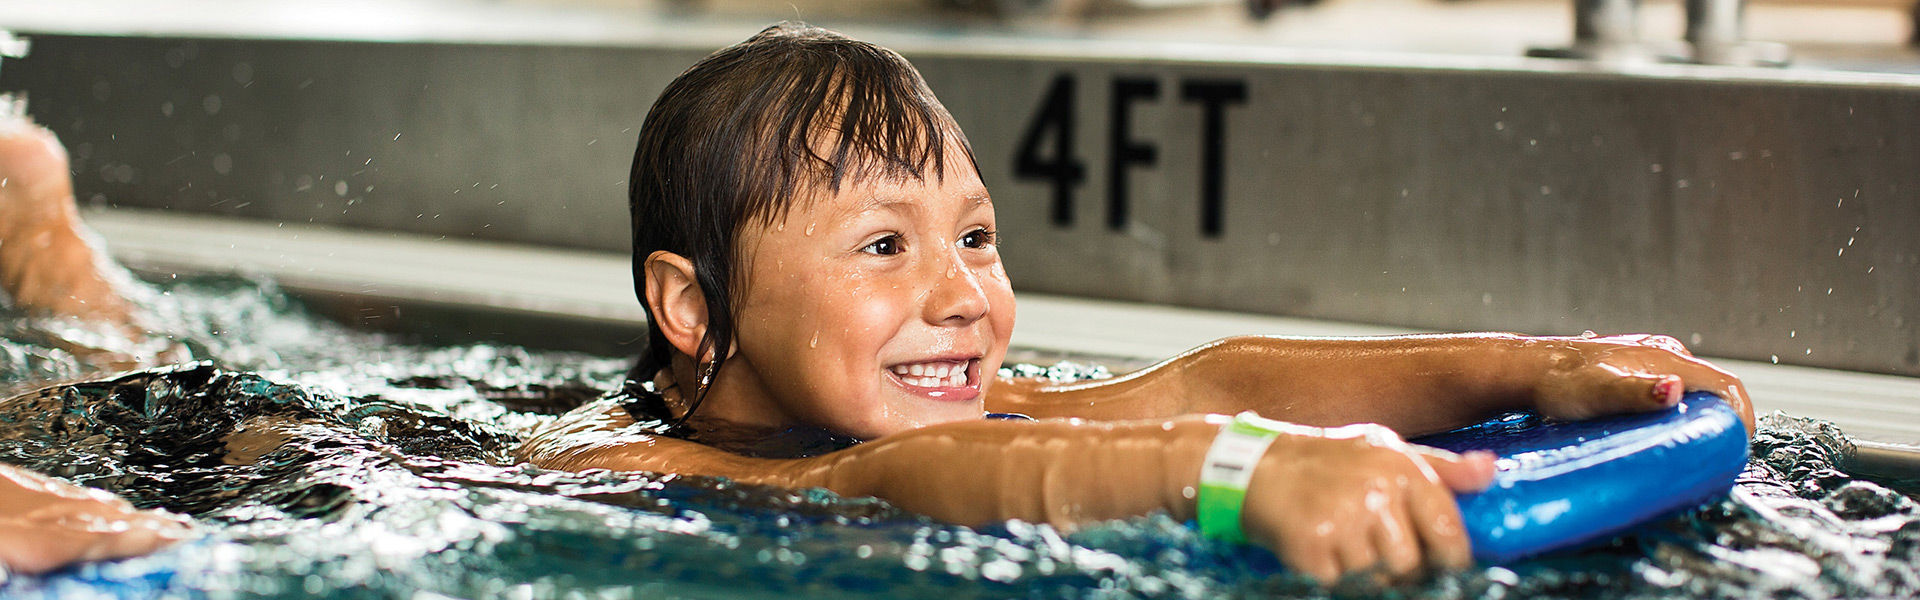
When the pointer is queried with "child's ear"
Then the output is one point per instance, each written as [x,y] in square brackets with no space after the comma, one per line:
[678,305]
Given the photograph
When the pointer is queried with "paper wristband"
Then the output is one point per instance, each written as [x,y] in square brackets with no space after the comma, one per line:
[1227,470]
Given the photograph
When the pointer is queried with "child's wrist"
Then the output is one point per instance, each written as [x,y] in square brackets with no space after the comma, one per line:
[1534,364]
[1227,471]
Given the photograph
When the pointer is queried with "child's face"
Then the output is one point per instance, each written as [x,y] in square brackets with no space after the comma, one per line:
[875,310]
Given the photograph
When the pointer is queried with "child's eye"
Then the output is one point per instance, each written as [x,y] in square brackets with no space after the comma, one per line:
[978,238]
[886,246]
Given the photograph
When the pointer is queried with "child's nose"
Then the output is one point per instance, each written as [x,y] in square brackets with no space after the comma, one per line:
[956,297]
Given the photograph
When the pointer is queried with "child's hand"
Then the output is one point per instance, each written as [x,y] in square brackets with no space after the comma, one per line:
[46,524]
[1600,376]
[1358,499]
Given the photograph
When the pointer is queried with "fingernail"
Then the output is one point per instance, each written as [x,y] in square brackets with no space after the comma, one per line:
[1667,391]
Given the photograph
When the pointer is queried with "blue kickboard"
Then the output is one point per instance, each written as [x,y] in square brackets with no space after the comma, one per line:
[1562,484]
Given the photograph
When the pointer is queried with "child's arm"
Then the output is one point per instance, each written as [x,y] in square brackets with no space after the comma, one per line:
[1325,502]
[1414,384]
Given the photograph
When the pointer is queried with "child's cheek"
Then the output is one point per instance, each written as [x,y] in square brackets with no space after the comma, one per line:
[872,314]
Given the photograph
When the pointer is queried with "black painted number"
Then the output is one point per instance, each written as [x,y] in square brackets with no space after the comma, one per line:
[1057,166]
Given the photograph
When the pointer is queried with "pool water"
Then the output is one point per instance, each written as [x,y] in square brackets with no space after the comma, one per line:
[394,480]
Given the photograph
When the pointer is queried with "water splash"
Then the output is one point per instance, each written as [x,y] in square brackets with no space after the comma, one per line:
[327,462]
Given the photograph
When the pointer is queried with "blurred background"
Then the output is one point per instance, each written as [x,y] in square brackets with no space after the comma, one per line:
[1744,176]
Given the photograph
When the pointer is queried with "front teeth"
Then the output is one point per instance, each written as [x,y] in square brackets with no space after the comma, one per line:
[932,375]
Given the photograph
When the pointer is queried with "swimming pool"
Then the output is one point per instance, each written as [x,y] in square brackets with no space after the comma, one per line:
[394,480]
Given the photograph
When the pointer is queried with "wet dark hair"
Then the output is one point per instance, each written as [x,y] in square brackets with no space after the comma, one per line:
[790,111]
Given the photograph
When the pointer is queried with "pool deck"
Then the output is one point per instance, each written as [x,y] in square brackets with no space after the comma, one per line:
[1883,411]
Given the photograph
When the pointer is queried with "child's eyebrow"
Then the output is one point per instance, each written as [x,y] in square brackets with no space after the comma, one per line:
[875,203]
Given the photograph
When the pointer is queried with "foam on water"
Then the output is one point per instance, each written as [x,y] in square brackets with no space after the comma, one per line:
[321,461]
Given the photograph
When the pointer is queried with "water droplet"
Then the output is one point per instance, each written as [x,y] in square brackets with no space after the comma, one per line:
[810,228]
[816,340]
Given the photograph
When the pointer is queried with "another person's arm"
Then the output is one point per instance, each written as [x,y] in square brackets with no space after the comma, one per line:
[1413,384]
[47,265]
[50,263]
[1325,502]
[46,524]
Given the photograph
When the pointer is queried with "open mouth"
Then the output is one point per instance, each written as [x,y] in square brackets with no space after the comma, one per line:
[937,375]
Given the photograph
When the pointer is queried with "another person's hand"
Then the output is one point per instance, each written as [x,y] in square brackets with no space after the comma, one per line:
[1357,499]
[1598,376]
[46,524]
[51,265]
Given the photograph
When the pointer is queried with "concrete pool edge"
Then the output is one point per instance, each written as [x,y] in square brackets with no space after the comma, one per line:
[594,288]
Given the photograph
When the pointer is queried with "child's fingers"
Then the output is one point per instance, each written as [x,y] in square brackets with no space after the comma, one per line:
[1654,356]
[1701,376]
[1634,392]
[1357,554]
[1435,518]
[1694,374]
[1399,545]
[1316,560]
[1470,472]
